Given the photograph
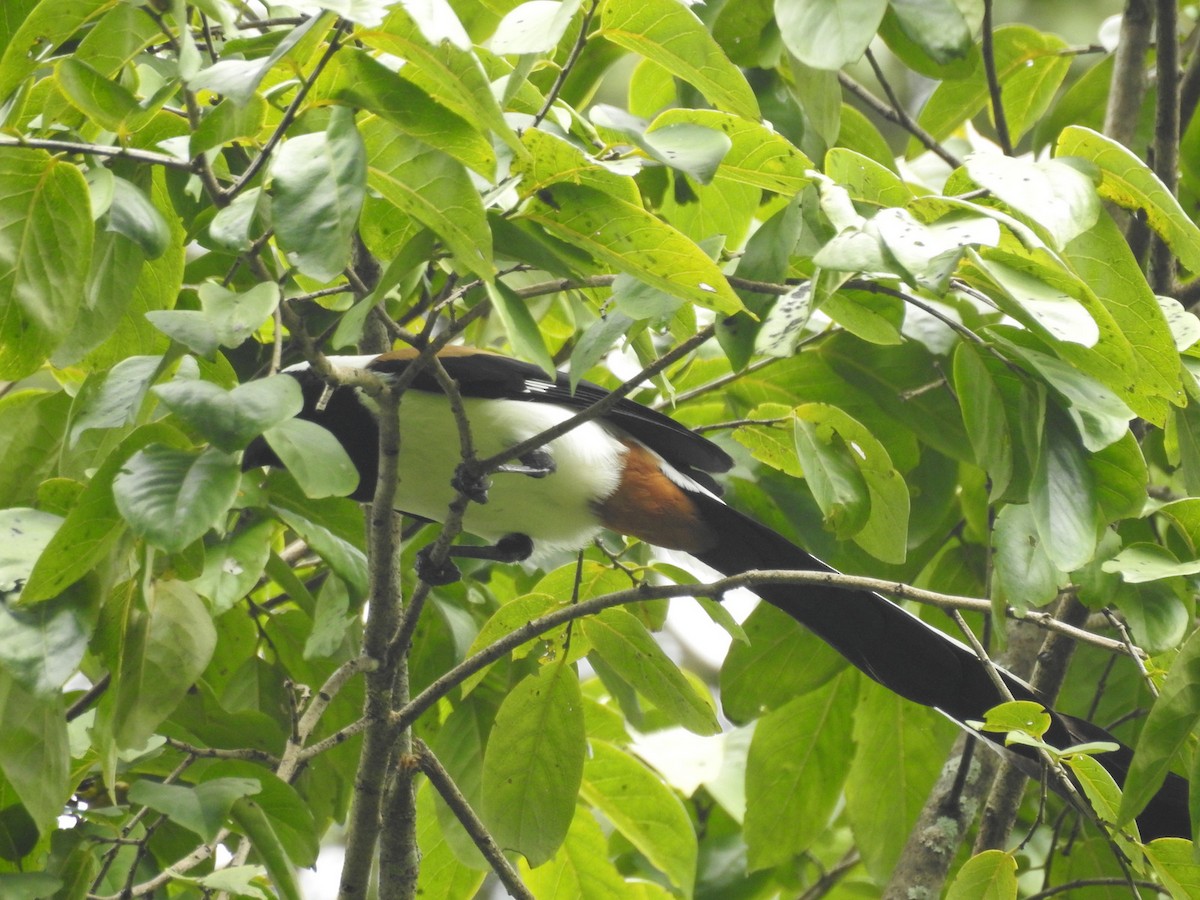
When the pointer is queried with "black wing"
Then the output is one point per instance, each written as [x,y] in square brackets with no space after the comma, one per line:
[489,376]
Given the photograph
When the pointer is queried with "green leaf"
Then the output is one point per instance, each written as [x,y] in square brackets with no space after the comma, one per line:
[833,476]
[551,159]
[1100,415]
[795,772]
[1175,863]
[332,619]
[1104,796]
[1047,309]
[1141,562]
[990,875]
[24,534]
[644,810]
[900,750]
[44,209]
[1129,182]
[237,881]
[1054,195]
[118,398]
[520,326]
[35,423]
[783,660]
[318,184]
[42,645]
[1024,716]
[238,79]
[48,24]
[445,69]
[29,885]
[828,34]
[233,567]
[366,83]
[671,35]
[105,102]
[1102,259]
[938,27]
[1171,720]
[884,534]
[226,318]
[624,643]
[34,755]
[442,876]
[172,497]
[634,241]
[866,179]
[165,648]
[1063,497]
[757,156]
[533,27]
[581,870]
[227,122]
[231,419]
[435,190]
[258,828]
[689,148]
[1029,67]
[331,526]
[983,410]
[1025,575]
[314,457]
[201,808]
[289,814]
[533,764]
[92,526]
[133,216]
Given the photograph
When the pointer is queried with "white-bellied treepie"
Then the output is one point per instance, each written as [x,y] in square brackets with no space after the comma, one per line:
[640,473]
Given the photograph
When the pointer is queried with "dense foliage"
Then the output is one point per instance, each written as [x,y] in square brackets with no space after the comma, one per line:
[969,368]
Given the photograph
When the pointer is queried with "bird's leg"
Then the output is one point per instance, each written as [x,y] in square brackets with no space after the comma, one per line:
[536,464]
[511,548]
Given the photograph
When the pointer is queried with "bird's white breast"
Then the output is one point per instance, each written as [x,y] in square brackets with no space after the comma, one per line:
[556,511]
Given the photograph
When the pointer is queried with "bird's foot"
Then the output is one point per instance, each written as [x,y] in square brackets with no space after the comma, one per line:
[536,464]
[471,484]
[435,574]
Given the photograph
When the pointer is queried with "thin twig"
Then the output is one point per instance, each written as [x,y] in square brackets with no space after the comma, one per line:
[900,117]
[289,115]
[444,784]
[572,58]
[989,67]
[78,147]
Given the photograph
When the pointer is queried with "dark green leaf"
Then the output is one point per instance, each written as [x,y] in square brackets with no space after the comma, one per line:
[231,419]
[202,808]
[318,185]
[313,456]
[1171,720]
[34,755]
[164,650]
[43,204]
[171,497]
[782,661]
[795,772]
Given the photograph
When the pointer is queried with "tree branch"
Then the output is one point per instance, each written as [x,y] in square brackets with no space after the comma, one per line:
[444,784]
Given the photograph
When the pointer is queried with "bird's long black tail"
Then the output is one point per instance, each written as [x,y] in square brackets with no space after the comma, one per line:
[906,655]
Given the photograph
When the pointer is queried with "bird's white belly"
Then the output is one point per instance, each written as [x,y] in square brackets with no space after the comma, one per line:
[556,511]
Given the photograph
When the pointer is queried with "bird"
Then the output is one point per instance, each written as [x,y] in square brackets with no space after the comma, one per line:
[638,472]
